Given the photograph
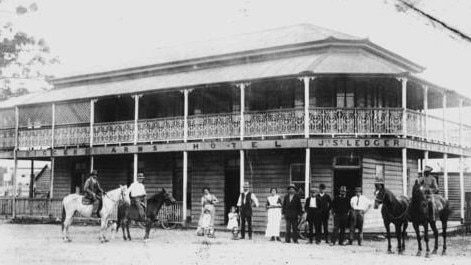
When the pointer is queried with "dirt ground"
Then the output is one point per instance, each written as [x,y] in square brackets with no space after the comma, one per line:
[42,244]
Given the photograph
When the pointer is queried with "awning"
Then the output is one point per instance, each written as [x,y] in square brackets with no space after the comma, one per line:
[331,62]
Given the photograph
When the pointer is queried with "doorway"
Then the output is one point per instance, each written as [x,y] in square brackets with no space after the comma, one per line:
[231,186]
[350,178]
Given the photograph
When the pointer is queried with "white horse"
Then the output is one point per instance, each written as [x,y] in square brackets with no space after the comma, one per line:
[73,203]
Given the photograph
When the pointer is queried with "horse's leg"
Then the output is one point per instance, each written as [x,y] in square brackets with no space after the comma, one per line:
[123,228]
[388,235]
[435,235]
[404,234]
[103,229]
[127,228]
[67,222]
[417,233]
[398,237]
[427,249]
[444,227]
[148,227]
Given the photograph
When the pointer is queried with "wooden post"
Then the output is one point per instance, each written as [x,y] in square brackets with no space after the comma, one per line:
[185,186]
[53,127]
[242,170]
[307,173]
[31,181]
[136,117]
[461,121]
[242,109]
[306,80]
[92,163]
[15,157]
[426,111]
[92,119]
[404,105]
[462,202]
[445,175]
[425,163]
[51,189]
[445,134]
[404,171]
[136,165]
[185,115]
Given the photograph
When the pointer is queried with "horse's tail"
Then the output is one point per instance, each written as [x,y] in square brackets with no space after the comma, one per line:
[63,216]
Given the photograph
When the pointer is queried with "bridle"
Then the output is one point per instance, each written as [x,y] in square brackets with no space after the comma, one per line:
[380,201]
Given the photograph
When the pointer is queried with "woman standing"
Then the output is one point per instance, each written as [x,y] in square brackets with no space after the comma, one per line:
[208,201]
[274,215]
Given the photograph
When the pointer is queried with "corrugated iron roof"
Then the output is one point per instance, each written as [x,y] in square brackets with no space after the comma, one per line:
[323,63]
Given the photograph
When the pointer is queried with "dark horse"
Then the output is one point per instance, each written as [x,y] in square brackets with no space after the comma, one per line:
[126,213]
[394,211]
[419,214]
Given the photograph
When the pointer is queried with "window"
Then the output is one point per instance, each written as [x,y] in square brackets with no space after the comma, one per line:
[297,177]
[345,95]
[379,174]
[347,162]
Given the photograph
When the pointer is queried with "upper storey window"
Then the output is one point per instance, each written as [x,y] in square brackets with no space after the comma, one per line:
[345,95]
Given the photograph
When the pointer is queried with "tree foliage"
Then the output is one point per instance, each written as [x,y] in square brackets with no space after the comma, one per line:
[22,56]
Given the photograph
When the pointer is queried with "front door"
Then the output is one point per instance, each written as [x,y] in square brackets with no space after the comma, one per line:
[231,188]
[350,178]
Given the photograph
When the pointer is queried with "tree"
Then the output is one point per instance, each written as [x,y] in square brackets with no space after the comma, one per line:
[22,56]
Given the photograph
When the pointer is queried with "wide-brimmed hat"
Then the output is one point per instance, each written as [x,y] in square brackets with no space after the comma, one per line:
[314,189]
[357,189]
[343,189]
[140,176]
[428,169]
[246,184]
[292,186]
[322,186]
[94,173]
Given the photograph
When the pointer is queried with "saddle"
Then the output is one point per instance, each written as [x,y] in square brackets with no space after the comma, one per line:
[87,201]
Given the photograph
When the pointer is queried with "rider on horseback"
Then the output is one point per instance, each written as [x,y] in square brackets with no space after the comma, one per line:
[429,184]
[138,194]
[93,192]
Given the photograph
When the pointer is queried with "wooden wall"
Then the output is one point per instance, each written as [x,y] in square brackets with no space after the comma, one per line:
[62,177]
[454,191]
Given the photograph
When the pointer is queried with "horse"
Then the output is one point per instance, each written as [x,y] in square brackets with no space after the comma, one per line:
[419,215]
[394,211]
[73,203]
[154,203]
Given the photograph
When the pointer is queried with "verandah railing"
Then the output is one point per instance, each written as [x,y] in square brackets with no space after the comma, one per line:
[52,208]
[279,122]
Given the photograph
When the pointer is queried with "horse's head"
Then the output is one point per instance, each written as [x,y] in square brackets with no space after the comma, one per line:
[168,198]
[124,194]
[380,194]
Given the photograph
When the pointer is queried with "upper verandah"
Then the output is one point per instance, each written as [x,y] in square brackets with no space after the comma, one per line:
[282,52]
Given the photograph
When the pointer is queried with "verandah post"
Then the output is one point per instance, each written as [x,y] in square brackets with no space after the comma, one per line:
[445,133]
[92,122]
[462,202]
[404,105]
[185,186]
[15,157]
[426,111]
[307,176]
[404,171]
[445,175]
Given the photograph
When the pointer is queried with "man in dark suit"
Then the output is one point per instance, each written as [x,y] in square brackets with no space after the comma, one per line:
[246,201]
[340,210]
[325,203]
[312,215]
[292,209]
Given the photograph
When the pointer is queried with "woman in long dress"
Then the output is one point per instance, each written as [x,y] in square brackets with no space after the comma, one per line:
[208,201]
[274,215]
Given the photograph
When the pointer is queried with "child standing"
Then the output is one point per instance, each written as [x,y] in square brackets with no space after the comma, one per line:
[204,224]
[233,224]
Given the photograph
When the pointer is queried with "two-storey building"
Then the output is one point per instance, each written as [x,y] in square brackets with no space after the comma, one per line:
[300,104]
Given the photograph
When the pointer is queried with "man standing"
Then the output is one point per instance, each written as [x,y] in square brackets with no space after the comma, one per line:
[292,209]
[246,200]
[360,204]
[311,207]
[340,210]
[430,186]
[93,192]
[325,203]
[137,192]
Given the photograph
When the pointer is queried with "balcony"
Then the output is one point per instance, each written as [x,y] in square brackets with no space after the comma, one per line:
[329,122]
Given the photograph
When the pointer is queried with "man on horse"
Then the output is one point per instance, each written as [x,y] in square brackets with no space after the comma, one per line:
[137,192]
[429,184]
[93,192]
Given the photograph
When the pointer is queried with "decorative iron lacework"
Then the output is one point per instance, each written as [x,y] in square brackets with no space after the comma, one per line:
[72,113]
[72,135]
[224,125]
[35,138]
[35,117]
[274,122]
[160,129]
[7,139]
[113,132]
[7,118]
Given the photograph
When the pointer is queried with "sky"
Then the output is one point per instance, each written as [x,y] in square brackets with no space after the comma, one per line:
[88,35]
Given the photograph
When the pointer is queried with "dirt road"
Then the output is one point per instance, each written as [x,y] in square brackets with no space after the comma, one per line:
[42,244]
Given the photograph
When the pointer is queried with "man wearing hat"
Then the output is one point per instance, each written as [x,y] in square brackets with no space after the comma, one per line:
[340,209]
[137,193]
[292,209]
[311,207]
[325,203]
[430,186]
[360,204]
[93,192]
[245,203]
